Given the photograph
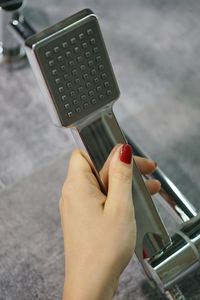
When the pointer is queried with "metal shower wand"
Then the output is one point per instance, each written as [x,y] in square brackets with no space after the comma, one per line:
[73,69]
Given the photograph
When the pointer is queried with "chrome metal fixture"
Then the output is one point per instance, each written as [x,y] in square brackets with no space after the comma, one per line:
[10,49]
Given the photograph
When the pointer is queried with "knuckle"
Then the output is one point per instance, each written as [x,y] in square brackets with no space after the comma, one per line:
[123,175]
[123,210]
[67,190]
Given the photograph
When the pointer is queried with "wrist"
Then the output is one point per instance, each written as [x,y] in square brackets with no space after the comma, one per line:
[89,288]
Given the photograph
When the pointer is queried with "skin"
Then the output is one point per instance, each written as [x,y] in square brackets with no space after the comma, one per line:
[99,230]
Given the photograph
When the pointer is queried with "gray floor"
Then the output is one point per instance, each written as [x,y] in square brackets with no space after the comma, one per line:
[154,46]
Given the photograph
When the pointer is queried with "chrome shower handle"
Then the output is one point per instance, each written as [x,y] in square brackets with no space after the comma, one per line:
[98,137]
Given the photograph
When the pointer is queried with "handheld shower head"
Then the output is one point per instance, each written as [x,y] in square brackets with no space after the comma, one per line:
[75,66]
[74,71]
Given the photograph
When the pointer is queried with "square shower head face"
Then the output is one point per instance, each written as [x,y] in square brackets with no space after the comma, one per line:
[75,66]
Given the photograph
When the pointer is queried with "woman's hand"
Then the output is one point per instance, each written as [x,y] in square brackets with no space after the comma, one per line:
[99,231]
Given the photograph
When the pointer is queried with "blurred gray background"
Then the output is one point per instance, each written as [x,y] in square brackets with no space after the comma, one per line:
[154,46]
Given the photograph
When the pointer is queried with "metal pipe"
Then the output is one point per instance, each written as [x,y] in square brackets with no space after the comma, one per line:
[180,258]
[169,192]
[10,49]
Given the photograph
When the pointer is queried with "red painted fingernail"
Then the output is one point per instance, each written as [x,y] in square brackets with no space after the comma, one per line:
[145,254]
[126,154]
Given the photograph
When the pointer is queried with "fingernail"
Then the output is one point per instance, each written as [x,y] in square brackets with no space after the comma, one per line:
[159,183]
[145,254]
[126,154]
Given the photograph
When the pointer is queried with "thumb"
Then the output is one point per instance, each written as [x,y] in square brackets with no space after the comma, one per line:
[120,177]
